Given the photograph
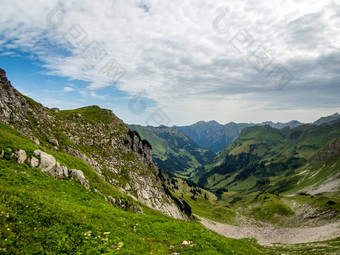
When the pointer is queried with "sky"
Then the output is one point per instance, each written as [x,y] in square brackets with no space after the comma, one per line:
[177,62]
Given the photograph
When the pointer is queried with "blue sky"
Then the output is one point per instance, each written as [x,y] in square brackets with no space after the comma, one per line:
[177,62]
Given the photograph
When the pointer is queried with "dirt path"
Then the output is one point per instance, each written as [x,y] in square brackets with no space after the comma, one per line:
[267,234]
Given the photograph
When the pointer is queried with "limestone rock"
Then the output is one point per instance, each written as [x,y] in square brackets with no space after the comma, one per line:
[127,187]
[185,243]
[112,200]
[61,172]
[80,175]
[54,143]
[55,110]
[47,163]
[34,162]
[21,154]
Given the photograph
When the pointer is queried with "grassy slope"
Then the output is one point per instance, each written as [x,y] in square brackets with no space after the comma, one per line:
[41,215]
[202,202]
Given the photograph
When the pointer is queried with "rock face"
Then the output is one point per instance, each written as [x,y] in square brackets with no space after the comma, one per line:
[96,136]
[141,148]
[11,100]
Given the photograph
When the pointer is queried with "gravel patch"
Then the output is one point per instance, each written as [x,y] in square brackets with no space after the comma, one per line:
[267,234]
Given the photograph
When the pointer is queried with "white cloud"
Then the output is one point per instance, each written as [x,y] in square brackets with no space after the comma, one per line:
[170,51]
[68,89]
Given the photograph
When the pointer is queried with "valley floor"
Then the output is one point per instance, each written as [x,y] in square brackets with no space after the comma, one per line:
[267,234]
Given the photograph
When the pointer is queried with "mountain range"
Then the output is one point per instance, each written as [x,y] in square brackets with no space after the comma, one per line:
[184,150]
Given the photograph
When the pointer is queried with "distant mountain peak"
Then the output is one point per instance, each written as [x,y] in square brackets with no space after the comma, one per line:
[327,119]
[202,122]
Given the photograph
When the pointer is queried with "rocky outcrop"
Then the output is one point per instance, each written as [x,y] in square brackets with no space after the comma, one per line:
[11,101]
[16,110]
[49,165]
[152,194]
[141,148]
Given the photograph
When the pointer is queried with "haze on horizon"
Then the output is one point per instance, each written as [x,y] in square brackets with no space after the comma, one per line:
[177,62]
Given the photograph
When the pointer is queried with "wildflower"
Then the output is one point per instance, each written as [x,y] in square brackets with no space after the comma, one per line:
[106,233]
[88,233]
[120,245]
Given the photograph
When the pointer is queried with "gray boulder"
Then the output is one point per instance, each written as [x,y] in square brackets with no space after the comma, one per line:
[54,142]
[61,172]
[47,163]
[21,154]
[80,175]
[34,162]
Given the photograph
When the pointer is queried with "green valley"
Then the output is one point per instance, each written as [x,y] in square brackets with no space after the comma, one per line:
[174,152]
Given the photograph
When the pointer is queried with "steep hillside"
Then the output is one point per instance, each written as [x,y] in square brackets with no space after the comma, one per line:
[174,152]
[320,174]
[262,152]
[95,136]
